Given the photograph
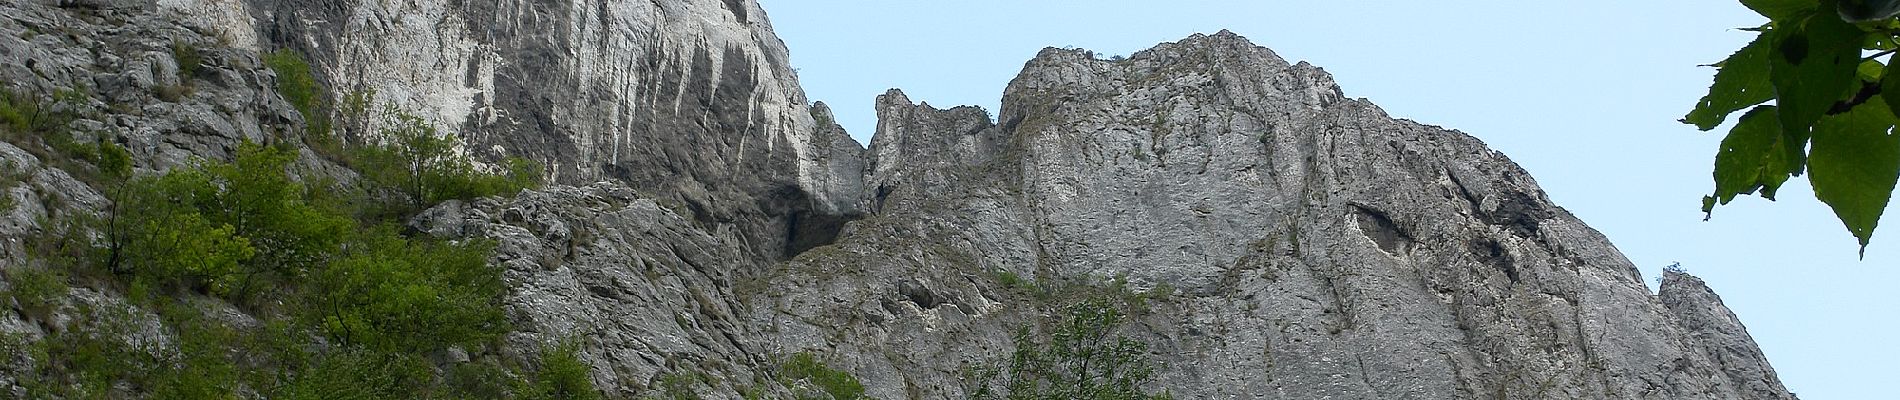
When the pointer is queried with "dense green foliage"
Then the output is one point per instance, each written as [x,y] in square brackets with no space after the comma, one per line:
[1809,59]
[390,293]
[1080,358]
[836,384]
[219,227]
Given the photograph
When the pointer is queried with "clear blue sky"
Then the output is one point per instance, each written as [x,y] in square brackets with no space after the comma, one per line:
[1583,94]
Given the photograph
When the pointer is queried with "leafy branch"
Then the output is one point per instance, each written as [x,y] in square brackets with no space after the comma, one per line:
[1834,108]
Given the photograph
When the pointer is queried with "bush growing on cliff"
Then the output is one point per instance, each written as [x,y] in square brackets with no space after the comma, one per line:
[562,375]
[343,307]
[38,123]
[26,115]
[188,58]
[409,295]
[35,291]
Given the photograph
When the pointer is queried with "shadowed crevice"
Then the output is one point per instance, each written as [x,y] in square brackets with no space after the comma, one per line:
[1378,226]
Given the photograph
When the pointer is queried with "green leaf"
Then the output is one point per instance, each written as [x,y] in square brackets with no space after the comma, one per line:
[1781,10]
[1855,161]
[1740,81]
[1812,65]
[1756,155]
[1870,71]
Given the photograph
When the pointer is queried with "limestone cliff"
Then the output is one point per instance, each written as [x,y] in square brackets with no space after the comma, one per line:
[691,100]
[705,219]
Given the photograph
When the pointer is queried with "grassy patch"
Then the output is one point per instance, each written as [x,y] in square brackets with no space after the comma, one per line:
[189,60]
[803,367]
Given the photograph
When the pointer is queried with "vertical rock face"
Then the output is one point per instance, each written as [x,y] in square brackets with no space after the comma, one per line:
[687,99]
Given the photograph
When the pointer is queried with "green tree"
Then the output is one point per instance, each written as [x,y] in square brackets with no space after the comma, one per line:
[255,195]
[156,233]
[422,166]
[1834,108]
[1080,359]
[216,226]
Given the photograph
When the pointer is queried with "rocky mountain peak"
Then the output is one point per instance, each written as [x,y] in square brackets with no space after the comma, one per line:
[1316,246]
[705,224]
